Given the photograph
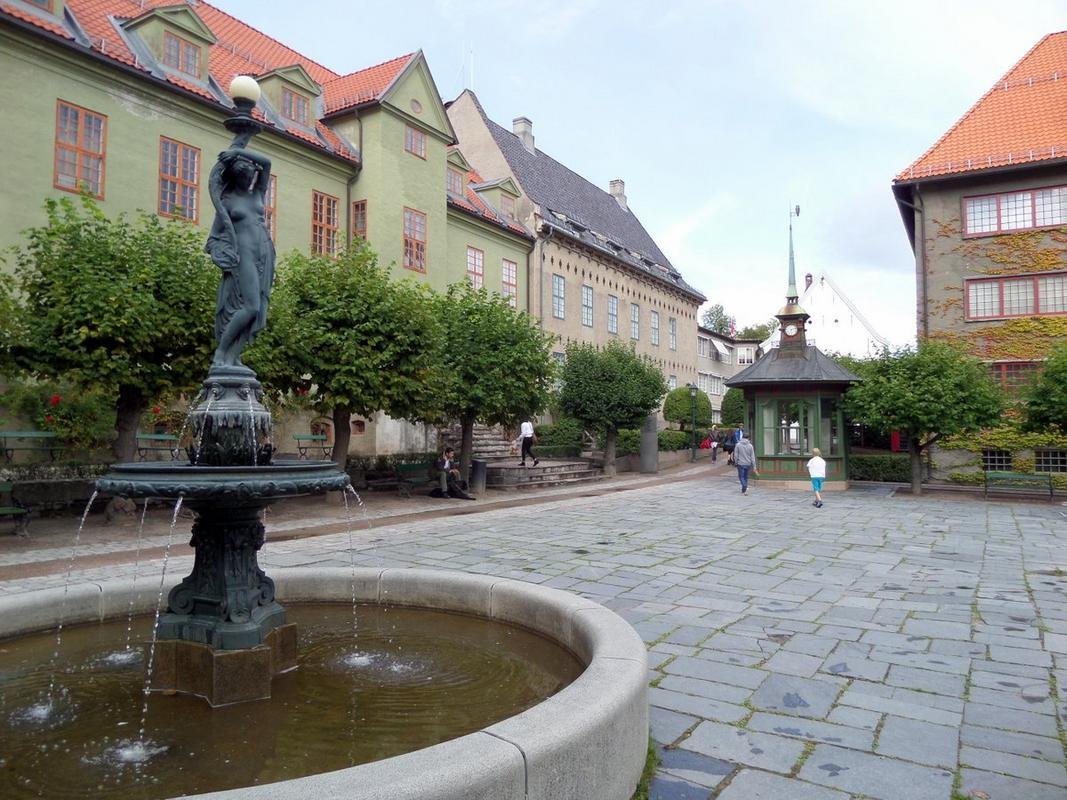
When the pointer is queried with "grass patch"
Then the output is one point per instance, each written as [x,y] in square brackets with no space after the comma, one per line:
[651,764]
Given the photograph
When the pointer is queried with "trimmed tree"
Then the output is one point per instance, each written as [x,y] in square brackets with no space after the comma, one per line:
[1046,397]
[495,365]
[678,407]
[716,319]
[122,305]
[927,393]
[608,389]
[364,342]
[733,407]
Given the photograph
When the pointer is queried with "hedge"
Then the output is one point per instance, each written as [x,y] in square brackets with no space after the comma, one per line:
[896,468]
[674,440]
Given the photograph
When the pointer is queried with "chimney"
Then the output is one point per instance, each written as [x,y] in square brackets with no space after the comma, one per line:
[618,191]
[807,281]
[523,128]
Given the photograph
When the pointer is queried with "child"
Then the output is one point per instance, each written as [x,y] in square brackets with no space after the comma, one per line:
[817,471]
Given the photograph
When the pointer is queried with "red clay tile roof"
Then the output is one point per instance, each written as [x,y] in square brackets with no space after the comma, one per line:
[1020,120]
[240,50]
[472,203]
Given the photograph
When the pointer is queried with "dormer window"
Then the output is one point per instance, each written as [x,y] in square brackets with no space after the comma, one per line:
[181,55]
[507,206]
[294,107]
[455,181]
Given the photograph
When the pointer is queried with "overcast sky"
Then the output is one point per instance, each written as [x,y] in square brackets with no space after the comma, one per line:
[719,116]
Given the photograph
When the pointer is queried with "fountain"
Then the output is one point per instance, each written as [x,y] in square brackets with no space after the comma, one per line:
[224,636]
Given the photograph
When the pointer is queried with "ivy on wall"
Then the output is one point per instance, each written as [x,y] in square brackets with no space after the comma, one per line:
[1008,436]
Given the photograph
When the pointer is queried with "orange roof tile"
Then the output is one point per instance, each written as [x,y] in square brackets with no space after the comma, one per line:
[240,49]
[1019,120]
[471,202]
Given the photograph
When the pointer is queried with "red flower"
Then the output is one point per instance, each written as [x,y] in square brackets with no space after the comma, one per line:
[157,410]
[54,400]
[49,418]
[301,390]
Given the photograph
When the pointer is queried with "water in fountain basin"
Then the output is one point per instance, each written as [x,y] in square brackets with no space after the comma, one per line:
[133,583]
[252,427]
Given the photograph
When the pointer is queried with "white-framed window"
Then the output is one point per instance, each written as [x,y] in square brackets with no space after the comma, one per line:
[559,305]
[509,281]
[672,382]
[715,385]
[613,314]
[1015,211]
[703,382]
[703,346]
[653,328]
[1016,295]
[746,354]
[587,306]
[475,267]
[635,321]
[672,333]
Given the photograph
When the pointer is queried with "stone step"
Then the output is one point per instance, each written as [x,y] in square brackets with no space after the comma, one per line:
[549,481]
[509,474]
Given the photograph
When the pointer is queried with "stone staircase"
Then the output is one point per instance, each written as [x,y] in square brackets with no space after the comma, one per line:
[509,475]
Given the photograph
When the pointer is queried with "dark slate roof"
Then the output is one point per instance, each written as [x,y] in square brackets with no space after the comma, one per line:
[792,366]
[574,207]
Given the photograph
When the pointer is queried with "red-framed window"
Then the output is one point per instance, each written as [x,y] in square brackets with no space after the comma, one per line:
[415,141]
[1015,295]
[1014,375]
[476,267]
[984,215]
[454,182]
[179,179]
[81,138]
[270,207]
[295,106]
[414,240]
[324,225]
[359,219]
[181,55]
[507,206]
[509,281]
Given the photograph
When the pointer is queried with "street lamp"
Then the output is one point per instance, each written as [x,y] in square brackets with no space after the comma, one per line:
[693,420]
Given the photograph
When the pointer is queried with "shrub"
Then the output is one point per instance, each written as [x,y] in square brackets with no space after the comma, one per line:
[895,468]
[678,407]
[629,442]
[566,432]
[674,440]
[733,407]
[80,418]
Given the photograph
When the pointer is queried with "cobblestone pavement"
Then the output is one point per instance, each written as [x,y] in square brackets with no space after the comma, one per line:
[881,647]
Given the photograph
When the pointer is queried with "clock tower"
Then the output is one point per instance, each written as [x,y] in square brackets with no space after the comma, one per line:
[792,318]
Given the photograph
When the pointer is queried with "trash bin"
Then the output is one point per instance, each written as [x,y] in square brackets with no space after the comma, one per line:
[477,482]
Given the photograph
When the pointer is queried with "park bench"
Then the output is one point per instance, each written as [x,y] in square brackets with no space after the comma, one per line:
[406,477]
[308,441]
[12,442]
[1018,481]
[155,442]
[12,509]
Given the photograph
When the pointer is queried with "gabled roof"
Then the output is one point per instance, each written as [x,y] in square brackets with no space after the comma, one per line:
[574,207]
[473,204]
[809,366]
[239,49]
[1021,120]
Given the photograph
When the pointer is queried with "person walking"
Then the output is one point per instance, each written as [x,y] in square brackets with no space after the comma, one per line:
[715,436]
[817,472]
[528,437]
[745,460]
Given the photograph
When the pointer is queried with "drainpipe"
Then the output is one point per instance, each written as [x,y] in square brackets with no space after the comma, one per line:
[541,277]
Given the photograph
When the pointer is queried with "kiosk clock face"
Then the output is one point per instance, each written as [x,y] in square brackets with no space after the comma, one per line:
[790,330]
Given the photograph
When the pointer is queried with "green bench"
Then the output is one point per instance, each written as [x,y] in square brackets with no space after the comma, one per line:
[307,441]
[12,442]
[12,509]
[152,442]
[1018,481]
[406,477]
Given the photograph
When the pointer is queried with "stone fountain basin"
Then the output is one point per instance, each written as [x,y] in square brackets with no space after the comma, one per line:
[587,742]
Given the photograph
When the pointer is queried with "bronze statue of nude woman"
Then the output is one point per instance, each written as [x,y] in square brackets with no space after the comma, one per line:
[241,246]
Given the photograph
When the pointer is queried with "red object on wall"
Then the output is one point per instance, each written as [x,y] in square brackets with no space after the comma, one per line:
[894,442]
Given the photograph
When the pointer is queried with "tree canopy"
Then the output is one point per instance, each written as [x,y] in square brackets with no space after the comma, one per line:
[934,391]
[733,407]
[678,407]
[124,305]
[1046,397]
[365,343]
[759,331]
[495,364]
[608,389]
[716,319]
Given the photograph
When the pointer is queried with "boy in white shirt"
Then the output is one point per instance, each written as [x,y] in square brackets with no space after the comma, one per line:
[817,471]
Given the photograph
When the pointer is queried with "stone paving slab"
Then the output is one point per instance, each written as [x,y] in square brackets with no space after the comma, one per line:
[903,624]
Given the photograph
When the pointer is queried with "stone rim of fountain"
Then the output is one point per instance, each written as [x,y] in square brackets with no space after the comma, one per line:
[587,741]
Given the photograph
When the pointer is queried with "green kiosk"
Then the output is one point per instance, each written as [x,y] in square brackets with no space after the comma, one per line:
[793,403]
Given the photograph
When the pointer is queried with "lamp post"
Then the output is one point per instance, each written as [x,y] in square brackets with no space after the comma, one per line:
[693,421]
